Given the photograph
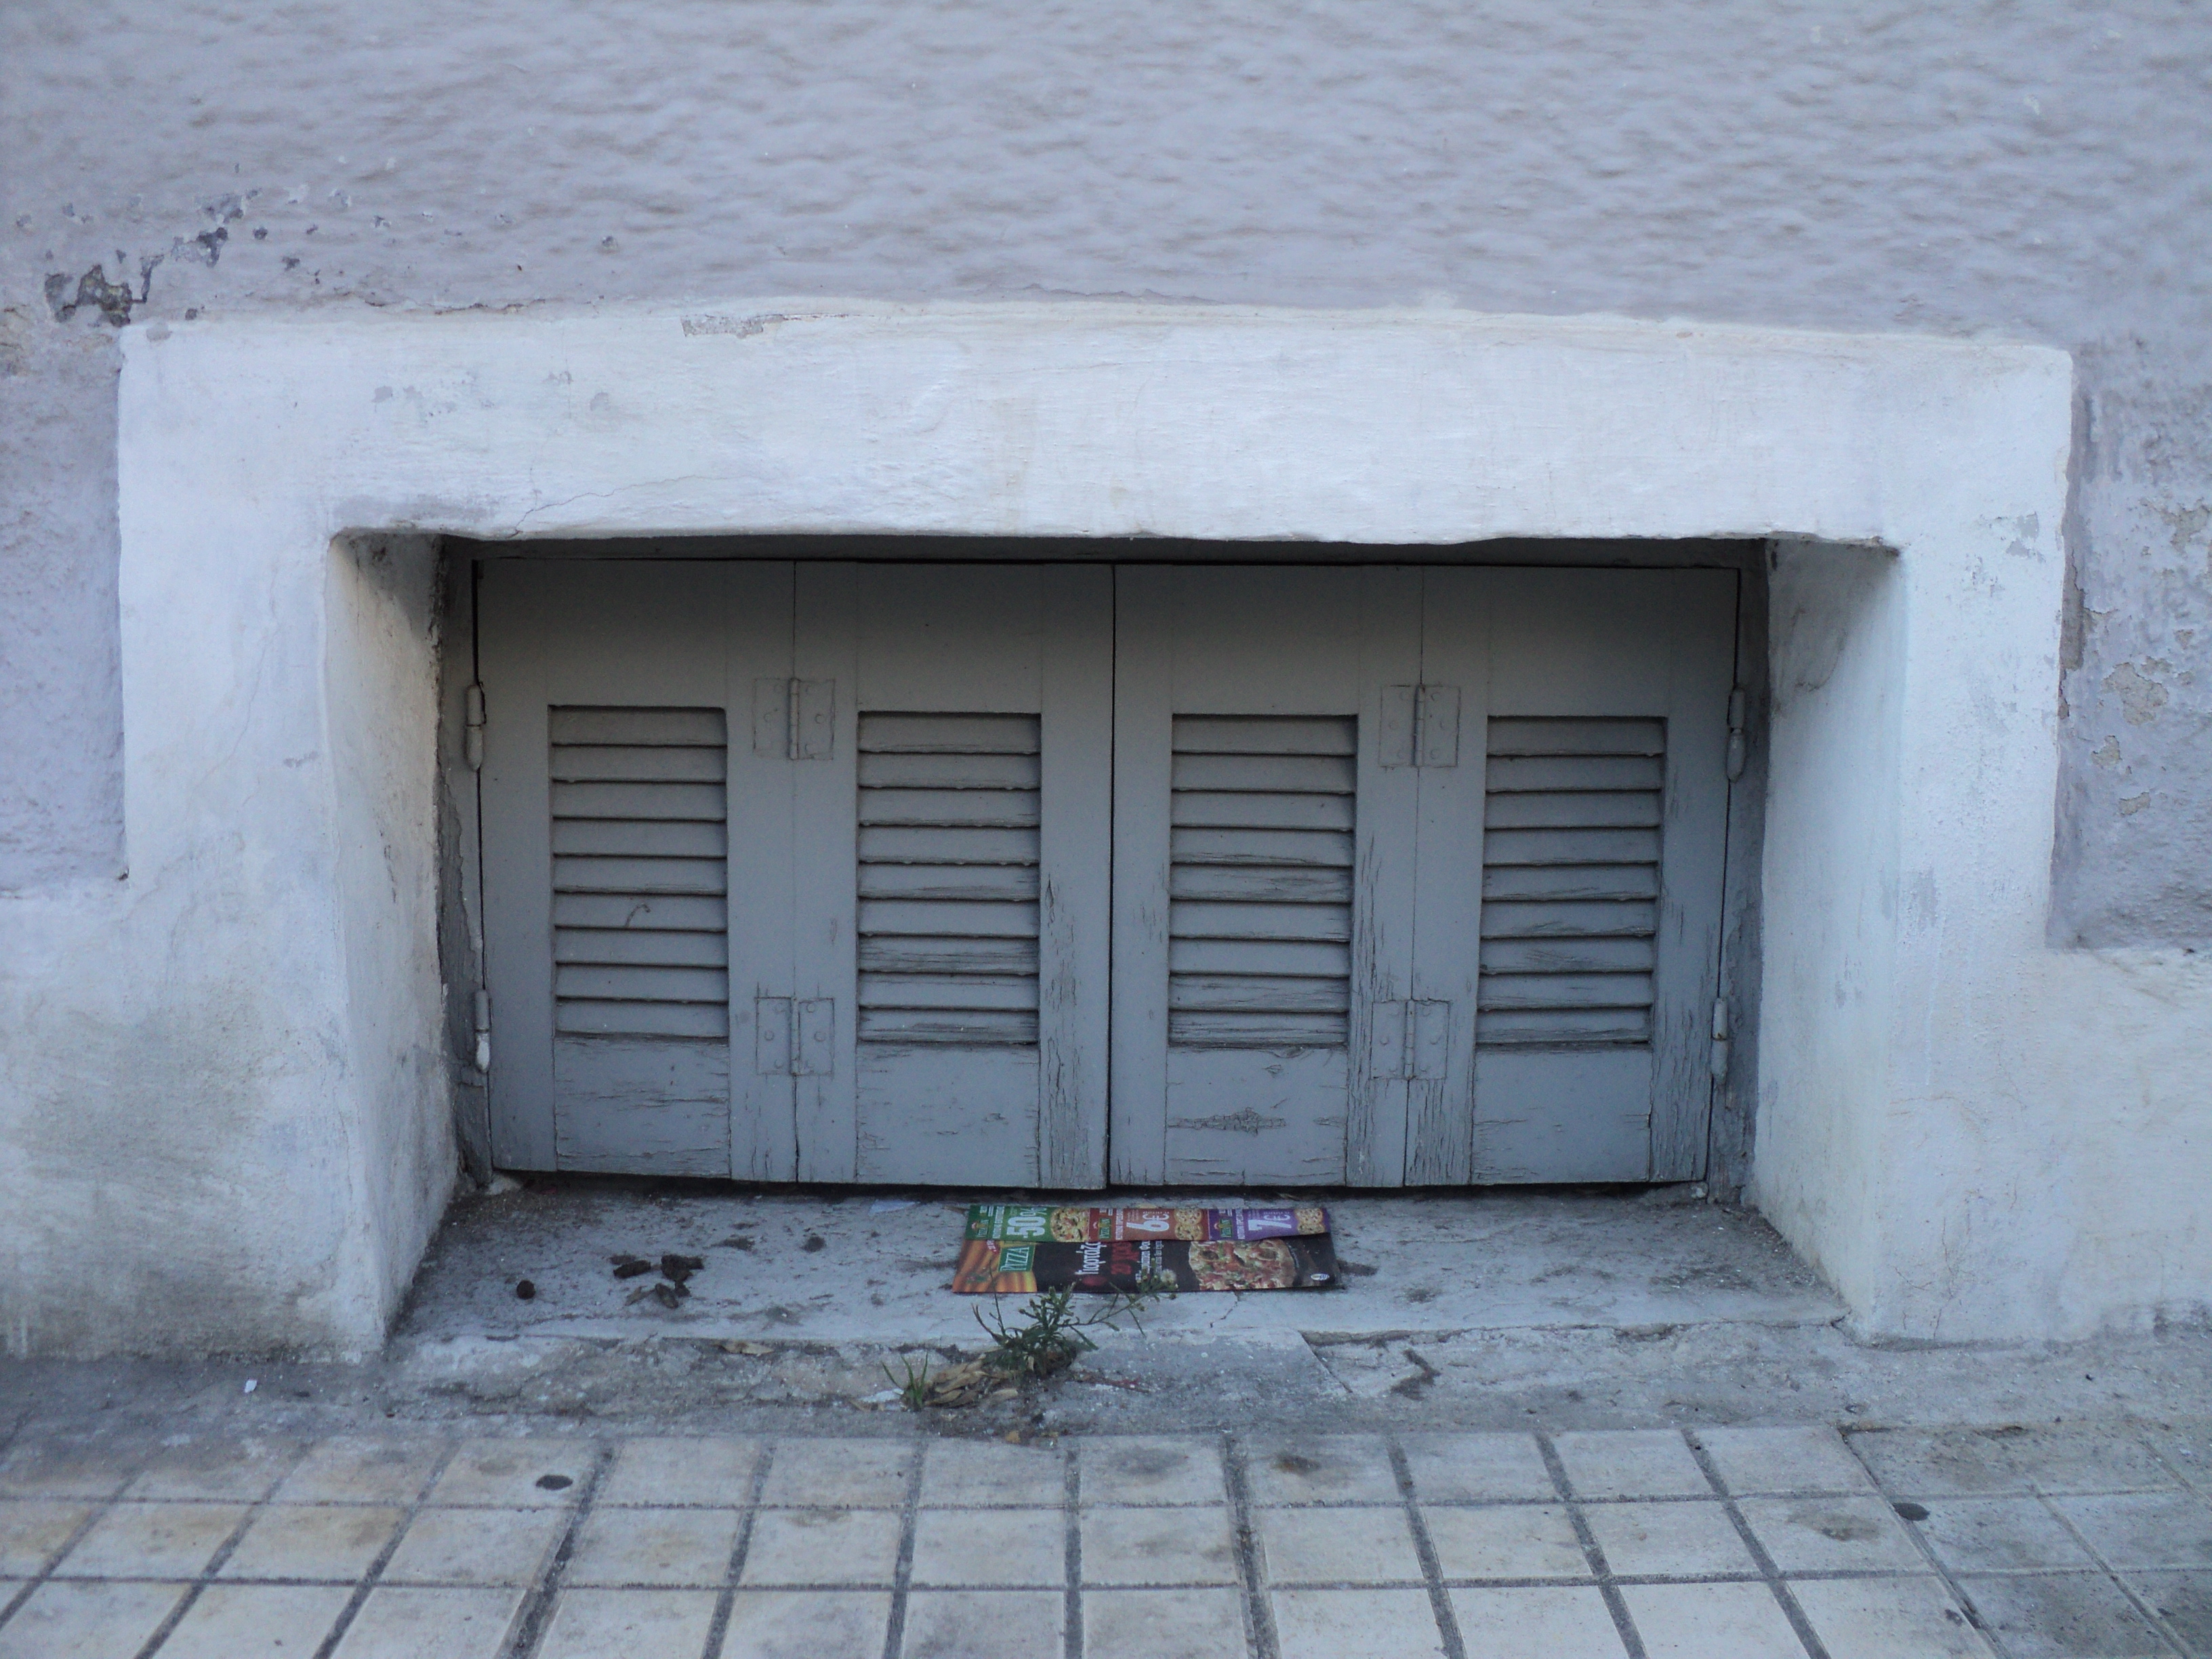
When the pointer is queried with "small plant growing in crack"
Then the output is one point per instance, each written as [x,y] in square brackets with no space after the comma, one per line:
[1050,1333]
[911,1379]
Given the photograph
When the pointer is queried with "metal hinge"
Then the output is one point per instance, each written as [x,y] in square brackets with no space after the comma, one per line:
[793,1037]
[1735,749]
[482,1023]
[1720,1039]
[473,728]
[1421,726]
[1409,1040]
[794,719]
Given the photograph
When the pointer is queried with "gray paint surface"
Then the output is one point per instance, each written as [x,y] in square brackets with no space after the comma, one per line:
[2034,173]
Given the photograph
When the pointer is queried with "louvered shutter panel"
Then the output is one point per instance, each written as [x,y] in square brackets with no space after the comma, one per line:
[1570,881]
[640,866]
[1259,881]
[948,879]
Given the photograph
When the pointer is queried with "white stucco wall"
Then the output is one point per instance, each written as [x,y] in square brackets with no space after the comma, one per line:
[254,1008]
[2041,172]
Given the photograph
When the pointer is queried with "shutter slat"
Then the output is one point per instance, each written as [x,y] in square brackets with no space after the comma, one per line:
[1269,734]
[987,808]
[948,956]
[1259,884]
[1320,850]
[1204,809]
[977,993]
[1007,883]
[1569,881]
[955,771]
[1219,1031]
[1304,774]
[970,1029]
[1572,956]
[1252,994]
[642,728]
[701,803]
[620,944]
[891,844]
[642,912]
[949,734]
[637,838]
[1294,957]
[591,762]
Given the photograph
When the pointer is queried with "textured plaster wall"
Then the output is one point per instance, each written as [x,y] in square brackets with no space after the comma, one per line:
[2042,173]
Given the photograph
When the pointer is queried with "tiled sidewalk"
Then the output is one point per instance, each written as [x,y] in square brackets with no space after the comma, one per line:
[1725,1544]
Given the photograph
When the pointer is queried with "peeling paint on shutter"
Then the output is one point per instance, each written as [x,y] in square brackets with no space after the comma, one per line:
[1569,882]
[640,866]
[1259,881]
[948,879]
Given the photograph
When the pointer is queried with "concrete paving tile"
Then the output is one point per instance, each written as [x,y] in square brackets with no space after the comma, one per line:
[1163,1624]
[1668,1540]
[1888,1619]
[2186,1449]
[94,1620]
[151,1541]
[328,1542]
[33,1531]
[2183,1600]
[2147,1530]
[663,1547]
[807,1624]
[716,1472]
[1184,1546]
[629,1624]
[1506,1541]
[2062,1616]
[847,1474]
[1999,1534]
[1153,1469]
[2058,1460]
[1355,1624]
[1940,1462]
[1630,1463]
[959,1474]
[809,1547]
[1832,1534]
[475,1546]
[1539,1622]
[76,1468]
[245,1470]
[983,1624]
[1347,1468]
[1477,1468]
[257,1622]
[431,1623]
[1338,1547]
[1776,1463]
[536,1473]
[954,1548]
[1703,1621]
[361,1469]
